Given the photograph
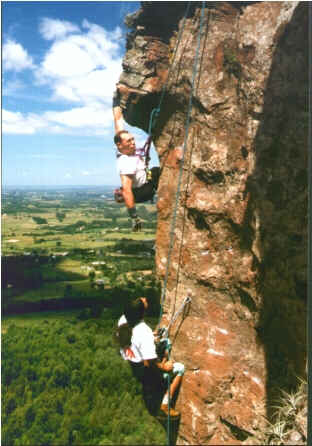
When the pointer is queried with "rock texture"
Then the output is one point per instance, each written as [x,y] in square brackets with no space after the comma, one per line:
[240,236]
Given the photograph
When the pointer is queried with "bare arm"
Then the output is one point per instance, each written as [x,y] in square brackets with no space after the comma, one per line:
[164,365]
[118,118]
[117,110]
[126,182]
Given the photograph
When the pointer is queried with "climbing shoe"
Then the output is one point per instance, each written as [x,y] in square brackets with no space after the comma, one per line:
[172,412]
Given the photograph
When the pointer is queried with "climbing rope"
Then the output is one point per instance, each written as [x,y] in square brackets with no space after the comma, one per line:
[164,333]
[155,112]
[174,217]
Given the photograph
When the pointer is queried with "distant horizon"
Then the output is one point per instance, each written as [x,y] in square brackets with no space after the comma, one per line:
[54,186]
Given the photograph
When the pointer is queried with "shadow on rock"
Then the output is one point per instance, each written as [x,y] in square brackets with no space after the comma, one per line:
[278,190]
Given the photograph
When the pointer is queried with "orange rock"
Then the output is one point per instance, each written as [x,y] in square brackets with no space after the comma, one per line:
[240,238]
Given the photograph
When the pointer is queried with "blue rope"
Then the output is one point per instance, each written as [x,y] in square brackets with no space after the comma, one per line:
[168,418]
[174,217]
[155,112]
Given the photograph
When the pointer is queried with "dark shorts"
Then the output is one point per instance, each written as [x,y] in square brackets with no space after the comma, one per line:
[153,385]
[148,190]
[150,377]
[137,370]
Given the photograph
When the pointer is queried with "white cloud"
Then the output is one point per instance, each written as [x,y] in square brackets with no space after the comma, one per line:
[83,67]
[86,173]
[15,57]
[90,120]
[98,84]
[52,29]
[17,123]
[66,59]
[107,41]
[93,116]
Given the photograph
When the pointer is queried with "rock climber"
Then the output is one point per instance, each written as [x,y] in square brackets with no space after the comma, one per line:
[137,183]
[137,345]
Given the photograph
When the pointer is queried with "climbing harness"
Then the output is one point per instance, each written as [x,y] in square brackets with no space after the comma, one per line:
[145,153]
[146,150]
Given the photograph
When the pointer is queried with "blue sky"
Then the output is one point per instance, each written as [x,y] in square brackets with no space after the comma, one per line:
[60,64]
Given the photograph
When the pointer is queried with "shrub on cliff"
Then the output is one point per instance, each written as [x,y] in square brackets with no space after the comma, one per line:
[289,424]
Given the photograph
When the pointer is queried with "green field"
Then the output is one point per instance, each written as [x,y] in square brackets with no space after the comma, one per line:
[76,240]
[63,380]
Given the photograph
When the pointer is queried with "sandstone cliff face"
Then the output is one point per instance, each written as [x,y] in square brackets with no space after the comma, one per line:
[240,236]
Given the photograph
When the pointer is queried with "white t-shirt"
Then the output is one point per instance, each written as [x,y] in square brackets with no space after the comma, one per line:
[142,342]
[132,165]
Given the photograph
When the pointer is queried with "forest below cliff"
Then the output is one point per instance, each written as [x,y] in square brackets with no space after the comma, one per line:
[65,383]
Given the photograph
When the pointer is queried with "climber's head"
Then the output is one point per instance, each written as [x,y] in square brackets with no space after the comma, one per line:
[125,142]
[134,311]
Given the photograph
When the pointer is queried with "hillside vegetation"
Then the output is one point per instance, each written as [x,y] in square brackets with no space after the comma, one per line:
[65,383]
[63,379]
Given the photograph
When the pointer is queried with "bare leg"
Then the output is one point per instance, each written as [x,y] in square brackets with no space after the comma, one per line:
[166,406]
[174,385]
